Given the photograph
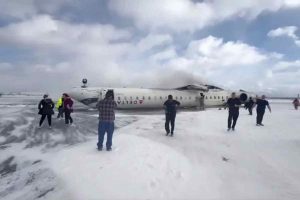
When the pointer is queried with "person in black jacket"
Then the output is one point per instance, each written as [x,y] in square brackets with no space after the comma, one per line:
[261,104]
[170,108]
[233,105]
[46,107]
[250,104]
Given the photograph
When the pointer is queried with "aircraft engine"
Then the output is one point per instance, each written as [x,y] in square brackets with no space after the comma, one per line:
[84,81]
[243,97]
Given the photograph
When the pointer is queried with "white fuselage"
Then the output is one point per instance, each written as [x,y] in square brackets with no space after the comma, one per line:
[140,98]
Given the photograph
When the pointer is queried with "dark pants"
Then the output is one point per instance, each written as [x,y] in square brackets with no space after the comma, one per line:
[43,118]
[232,118]
[105,127]
[170,117]
[260,116]
[68,118]
[250,110]
[60,112]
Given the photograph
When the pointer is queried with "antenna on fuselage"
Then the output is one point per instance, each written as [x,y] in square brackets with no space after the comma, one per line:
[84,81]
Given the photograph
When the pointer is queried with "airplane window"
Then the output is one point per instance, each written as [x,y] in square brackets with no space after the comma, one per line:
[119,98]
[149,98]
[180,98]
[176,98]
[218,97]
[160,97]
[222,97]
[137,98]
[210,97]
[206,97]
[214,97]
[143,98]
[166,97]
[190,98]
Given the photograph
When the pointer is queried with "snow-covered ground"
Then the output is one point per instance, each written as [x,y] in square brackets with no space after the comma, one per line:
[202,160]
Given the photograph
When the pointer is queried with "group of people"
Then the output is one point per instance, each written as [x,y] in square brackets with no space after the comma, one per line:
[64,106]
[107,106]
[234,103]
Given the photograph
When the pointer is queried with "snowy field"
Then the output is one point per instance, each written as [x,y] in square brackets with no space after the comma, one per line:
[202,160]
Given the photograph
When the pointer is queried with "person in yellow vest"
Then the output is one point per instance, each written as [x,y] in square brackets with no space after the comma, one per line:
[60,107]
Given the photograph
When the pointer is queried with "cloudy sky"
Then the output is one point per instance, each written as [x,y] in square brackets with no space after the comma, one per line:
[50,46]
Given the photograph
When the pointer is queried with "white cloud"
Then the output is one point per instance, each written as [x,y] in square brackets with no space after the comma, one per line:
[43,30]
[188,15]
[287,66]
[24,9]
[154,40]
[292,3]
[63,53]
[177,15]
[287,31]
[5,66]
[214,52]
[164,55]
[282,77]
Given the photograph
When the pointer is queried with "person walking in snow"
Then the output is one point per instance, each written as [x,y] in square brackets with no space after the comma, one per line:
[60,107]
[106,124]
[46,107]
[170,109]
[233,104]
[68,108]
[261,104]
[202,106]
[296,103]
[250,104]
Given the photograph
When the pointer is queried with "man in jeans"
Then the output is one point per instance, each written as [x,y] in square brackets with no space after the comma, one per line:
[106,109]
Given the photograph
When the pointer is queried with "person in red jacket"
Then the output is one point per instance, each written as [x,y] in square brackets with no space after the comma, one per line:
[296,103]
[68,108]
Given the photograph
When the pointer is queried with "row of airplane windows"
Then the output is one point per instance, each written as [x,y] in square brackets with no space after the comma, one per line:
[177,98]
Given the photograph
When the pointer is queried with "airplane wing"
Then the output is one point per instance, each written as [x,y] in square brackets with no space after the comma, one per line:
[193,87]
